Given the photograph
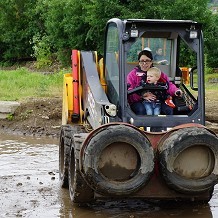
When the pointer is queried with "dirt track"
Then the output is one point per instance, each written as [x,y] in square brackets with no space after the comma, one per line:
[36,116]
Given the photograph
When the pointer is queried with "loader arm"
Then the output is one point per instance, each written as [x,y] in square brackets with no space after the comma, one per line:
[94,100]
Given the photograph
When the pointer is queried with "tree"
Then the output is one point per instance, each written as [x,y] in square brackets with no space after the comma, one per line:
[15,29]
[71,24]
[211,42]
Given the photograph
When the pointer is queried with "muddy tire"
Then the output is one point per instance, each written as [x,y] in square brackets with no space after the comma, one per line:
[118,160]
[188,160]
[65,142]
[80,192]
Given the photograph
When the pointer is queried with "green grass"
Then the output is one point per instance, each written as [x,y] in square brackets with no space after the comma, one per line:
[209,85]
[20,84]
[211,88]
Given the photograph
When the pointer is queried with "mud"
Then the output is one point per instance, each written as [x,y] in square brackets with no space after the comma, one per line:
[29,180]
[36,117]
[29,187]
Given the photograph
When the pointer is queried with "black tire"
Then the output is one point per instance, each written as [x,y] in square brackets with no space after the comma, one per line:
[177,146]
[80,192]
[65,142]
[123,135]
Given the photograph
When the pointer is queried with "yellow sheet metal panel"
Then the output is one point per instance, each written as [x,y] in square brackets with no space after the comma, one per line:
[67,106]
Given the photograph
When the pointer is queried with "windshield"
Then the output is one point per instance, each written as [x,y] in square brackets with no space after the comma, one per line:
[160,48]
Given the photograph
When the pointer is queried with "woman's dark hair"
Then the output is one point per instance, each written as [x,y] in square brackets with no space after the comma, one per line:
[145,52]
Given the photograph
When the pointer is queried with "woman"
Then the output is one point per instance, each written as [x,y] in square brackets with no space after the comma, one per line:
[138,75]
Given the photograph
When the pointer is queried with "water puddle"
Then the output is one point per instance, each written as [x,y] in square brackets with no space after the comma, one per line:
[29,187]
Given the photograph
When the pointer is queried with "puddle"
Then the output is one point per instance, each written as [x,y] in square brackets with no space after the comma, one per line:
[29,187]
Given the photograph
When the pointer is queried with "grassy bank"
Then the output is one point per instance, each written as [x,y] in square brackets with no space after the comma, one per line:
[211,82]
[20,84]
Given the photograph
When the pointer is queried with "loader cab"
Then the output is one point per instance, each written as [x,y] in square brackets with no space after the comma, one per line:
[181,43]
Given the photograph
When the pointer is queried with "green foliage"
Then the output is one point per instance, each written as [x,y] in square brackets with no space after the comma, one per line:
[211,42]
[15,29]
[42,51]
[209,70]
[10,117]
[46,28]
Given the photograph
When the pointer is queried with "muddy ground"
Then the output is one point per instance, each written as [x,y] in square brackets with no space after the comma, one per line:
[42,116]
[29,168]
[36,116]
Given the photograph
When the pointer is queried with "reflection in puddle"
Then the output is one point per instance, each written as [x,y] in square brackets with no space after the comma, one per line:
[29,187]
[133,209]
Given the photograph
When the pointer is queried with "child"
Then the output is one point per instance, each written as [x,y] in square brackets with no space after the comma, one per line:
[153,107]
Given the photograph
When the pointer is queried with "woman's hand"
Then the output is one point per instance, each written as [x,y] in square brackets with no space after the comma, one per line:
[149,96]
[178,92]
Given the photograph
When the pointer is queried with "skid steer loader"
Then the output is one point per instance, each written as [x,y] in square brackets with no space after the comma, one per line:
[106,150]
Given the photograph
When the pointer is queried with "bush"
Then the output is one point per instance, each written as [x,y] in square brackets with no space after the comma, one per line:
[42,51]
